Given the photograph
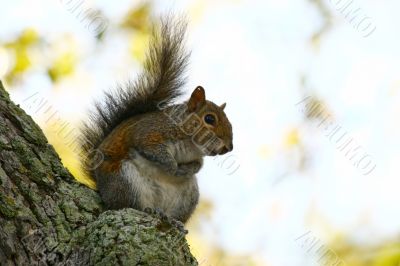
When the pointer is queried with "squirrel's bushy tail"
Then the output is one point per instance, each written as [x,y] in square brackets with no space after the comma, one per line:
[160,82]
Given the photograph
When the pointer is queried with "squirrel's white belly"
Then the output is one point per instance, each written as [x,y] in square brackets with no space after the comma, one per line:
[154,187]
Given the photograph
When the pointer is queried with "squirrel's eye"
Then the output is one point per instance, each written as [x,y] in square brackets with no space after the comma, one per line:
[210,119]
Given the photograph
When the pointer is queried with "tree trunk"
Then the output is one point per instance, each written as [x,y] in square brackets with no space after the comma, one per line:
[47,218]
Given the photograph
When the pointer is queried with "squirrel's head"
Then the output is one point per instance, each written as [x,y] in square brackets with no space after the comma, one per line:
[215,136]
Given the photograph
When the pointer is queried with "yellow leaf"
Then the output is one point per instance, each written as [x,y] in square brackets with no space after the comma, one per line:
[138,18]
[139,44]
[292,138]
[62,66]
[22,61]
[28,37]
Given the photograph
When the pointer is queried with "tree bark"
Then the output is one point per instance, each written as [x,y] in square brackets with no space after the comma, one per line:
[47,218]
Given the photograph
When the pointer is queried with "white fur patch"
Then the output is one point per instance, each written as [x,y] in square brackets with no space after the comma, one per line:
[154,188]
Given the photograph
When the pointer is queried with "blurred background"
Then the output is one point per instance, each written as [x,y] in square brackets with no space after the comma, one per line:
[313,93]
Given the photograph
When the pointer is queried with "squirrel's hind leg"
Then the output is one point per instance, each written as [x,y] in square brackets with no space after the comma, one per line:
[116,191]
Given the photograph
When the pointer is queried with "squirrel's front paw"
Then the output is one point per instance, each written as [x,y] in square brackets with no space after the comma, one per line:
[188,169]
[166,221]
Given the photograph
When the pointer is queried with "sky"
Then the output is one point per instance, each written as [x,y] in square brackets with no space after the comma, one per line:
[254,55]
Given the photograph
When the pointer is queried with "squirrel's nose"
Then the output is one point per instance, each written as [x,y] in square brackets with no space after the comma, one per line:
[227,148]
[224,151]
[230,146]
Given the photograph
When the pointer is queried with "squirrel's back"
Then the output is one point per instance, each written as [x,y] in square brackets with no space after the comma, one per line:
[159,84]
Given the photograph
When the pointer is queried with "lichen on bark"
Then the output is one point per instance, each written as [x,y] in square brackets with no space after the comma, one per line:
[48,218]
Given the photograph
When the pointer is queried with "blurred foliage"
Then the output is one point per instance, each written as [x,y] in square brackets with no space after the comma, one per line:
[67,148]
[292,138]
[135,26]
[385,254]
[62,66]
[138,45]
[58,59]
[314,107]
[31,51]
[137,22]
[138,18]
[326,24]
[210,254]
[20,53]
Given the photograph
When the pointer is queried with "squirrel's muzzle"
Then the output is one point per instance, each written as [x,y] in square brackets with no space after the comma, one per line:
[226,149]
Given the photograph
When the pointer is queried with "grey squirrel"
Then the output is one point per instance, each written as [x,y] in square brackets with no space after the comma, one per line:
[143,150]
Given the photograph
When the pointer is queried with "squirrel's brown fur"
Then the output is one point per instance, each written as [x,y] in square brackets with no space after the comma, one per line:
[142,150]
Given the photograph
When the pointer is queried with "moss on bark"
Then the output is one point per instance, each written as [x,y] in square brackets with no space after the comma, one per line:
[47,218]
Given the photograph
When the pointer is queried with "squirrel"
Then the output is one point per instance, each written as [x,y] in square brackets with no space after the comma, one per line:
[142,149]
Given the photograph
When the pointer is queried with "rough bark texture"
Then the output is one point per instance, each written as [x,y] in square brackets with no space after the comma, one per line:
[47,218]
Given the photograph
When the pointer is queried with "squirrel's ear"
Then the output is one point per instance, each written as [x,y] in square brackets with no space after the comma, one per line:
[223,106]
[197,99]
